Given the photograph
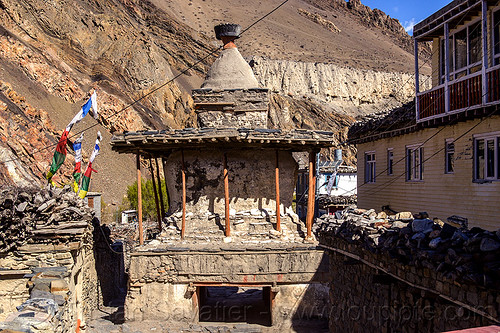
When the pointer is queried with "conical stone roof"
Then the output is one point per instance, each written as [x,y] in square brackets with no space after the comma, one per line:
[230,71]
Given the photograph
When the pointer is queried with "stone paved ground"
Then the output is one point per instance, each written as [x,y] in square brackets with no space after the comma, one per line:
[101,323]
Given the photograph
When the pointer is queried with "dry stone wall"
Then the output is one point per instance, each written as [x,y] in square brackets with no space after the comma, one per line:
[231,107]
[407,273]
[48,279]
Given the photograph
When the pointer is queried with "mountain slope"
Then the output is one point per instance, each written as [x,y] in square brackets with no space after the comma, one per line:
[53,53]
[366,39]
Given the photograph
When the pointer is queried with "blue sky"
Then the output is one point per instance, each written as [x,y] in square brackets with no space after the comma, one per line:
[407,12]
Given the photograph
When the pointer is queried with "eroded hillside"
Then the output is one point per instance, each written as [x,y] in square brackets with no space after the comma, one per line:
[53,53]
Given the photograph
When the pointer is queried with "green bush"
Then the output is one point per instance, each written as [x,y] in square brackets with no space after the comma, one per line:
[148,197]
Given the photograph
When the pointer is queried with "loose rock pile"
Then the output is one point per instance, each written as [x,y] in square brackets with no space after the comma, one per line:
[33,215]
[459,253]
[47,304]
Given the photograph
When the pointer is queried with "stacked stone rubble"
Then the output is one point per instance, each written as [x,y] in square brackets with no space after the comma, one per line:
[471,256]
[29,215]
[412,273]
[47,270]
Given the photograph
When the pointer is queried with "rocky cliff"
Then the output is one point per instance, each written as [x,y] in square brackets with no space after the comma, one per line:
[53,53]
[373,18]
[338,89]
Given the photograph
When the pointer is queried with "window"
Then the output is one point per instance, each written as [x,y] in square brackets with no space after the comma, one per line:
[460,43]
[475,51]
[465,50]
[449,156]
[414,163]
[370,167]
[390,162]
[496,37]
[487,157]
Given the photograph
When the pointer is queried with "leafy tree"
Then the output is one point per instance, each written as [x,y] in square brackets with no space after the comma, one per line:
[148,197]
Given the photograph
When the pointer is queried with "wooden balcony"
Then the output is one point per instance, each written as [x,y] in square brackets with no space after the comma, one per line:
[464,94]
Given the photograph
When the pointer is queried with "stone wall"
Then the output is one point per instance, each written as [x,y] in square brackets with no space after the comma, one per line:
[251,180]
[65,273]
[232,107]
[164,284]
[405,274]
[48,278]
[364,299]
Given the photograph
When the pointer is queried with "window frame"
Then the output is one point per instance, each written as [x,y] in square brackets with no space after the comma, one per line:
[453,71]
[447,170]
[492,136]
[410,157]
[495,56]
[370,173]
[390,161]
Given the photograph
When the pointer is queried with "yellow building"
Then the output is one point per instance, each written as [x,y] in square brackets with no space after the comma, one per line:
[441,154]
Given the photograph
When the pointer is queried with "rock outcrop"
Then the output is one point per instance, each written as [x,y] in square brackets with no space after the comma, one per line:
[343,89]
[373,18]
[25,134]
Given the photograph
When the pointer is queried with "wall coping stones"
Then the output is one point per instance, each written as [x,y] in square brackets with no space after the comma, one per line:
[191,138]
[455,270]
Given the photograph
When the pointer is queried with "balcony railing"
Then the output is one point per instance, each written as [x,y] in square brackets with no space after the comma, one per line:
[463,94]
[431,103]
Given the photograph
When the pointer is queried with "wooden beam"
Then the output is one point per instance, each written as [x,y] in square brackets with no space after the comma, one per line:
[226,196]
[160,191]
[164,162]
[278,215]
[183,228]
[311,194]
[157,204]
[139,199]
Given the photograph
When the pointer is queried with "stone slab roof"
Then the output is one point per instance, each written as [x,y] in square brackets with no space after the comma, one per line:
[335,200]
[384,123]
[402,120]
[158,142]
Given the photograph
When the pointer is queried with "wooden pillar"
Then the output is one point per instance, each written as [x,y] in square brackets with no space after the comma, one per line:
[311,194]
[160,191]
[164,162]
[139,199]
[183,228]
[278,215]
[226,196]
[157,204]
[417,82]
[446,67]
[484,30]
